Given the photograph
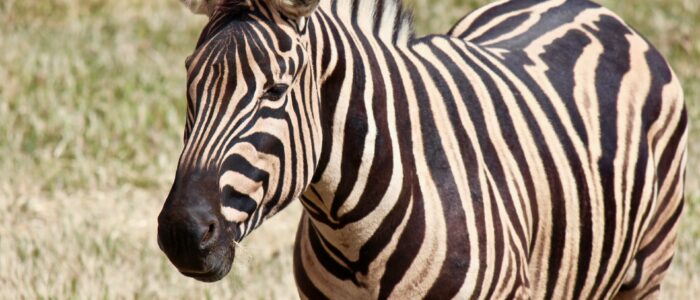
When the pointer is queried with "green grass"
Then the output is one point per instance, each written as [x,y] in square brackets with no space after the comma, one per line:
[91,117]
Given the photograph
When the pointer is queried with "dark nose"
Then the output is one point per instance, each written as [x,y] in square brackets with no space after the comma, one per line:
[187,231]
[186,237]
[189,228]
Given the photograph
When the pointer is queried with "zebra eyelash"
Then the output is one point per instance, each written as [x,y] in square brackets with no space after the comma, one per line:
[275,92]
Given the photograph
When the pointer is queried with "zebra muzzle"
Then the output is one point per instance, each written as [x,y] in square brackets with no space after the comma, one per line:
[192,232]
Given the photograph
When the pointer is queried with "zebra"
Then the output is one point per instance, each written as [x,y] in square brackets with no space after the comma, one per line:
[536,150]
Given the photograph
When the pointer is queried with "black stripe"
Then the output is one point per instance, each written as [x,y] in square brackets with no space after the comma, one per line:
[614,63]
[493,12]
[407,247]
[382,163]
[561,57]
[502,28]
[456,262]
[304,283]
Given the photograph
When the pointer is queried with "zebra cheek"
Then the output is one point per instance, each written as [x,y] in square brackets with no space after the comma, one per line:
[241,196]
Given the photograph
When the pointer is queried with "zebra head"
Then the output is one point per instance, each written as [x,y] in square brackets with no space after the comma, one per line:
[252,138]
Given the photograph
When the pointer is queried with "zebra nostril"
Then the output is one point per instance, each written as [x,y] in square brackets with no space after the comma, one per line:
[208,235]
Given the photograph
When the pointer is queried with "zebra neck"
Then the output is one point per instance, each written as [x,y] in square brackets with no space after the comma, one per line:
[360,173]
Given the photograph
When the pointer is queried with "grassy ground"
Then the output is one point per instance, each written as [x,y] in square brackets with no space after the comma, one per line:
[91,114]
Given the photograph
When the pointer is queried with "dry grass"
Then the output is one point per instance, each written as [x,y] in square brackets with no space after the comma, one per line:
[91,114]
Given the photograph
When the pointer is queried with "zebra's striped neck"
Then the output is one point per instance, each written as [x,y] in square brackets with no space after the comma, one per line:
[386,20]
[360,138]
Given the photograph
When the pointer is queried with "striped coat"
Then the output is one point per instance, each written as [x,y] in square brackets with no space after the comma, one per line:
[537,150]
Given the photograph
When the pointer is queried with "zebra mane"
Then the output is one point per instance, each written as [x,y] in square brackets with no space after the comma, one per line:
[389,20]
[231,6]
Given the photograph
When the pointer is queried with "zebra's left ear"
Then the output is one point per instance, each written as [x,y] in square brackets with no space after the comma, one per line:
[296,8]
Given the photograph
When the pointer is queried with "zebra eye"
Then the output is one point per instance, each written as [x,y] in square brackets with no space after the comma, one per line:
[275,92]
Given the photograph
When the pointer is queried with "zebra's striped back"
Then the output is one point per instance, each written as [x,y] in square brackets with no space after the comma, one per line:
[535,151]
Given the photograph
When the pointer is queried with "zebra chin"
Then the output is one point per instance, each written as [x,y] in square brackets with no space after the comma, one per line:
[219,266]
[204,263]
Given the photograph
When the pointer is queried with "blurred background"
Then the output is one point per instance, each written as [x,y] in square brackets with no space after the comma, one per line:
[92,106]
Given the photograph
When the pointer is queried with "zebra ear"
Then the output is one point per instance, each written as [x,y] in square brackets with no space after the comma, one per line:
[201,7]
[296,8]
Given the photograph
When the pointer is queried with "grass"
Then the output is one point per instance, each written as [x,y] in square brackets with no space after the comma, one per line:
[91,117]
